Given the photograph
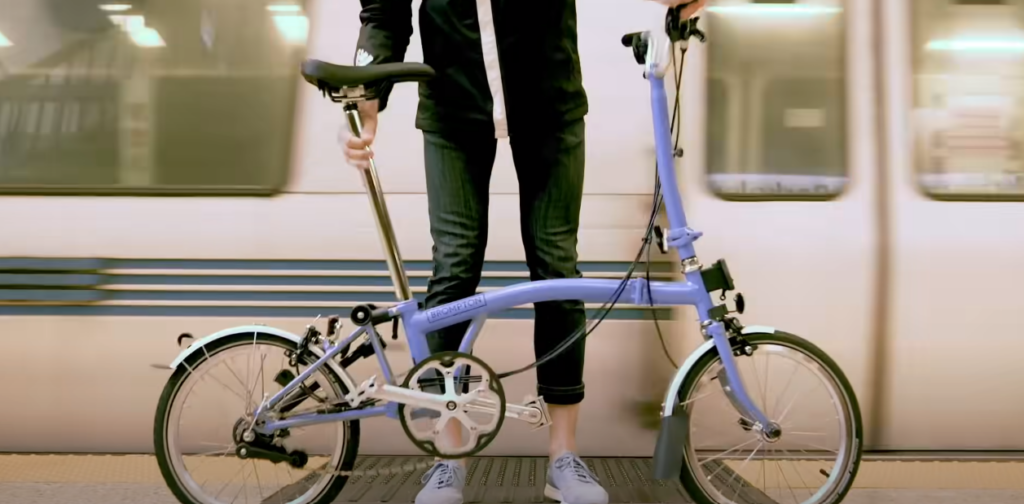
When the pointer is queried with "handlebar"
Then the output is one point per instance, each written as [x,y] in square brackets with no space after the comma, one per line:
[675,28]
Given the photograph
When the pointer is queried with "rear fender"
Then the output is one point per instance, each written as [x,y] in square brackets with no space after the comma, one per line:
[253,329]
[672,436]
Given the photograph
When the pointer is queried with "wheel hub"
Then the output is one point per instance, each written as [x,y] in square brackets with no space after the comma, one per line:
[240,433]
[252,445]
[771,433]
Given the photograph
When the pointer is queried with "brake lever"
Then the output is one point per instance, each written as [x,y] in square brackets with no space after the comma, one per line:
[678,30]
[696,32]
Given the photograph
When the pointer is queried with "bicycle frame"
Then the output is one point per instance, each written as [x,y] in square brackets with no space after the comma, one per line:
[418,322]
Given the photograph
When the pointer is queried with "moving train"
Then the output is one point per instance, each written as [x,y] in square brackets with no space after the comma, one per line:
[163,171]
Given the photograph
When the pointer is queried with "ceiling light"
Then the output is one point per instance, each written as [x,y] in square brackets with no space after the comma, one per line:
[147,37]
[4,41]
[776,9]
[294,28]
[135,27]
[977,44]
[284,8]
[115,7]
[127,23]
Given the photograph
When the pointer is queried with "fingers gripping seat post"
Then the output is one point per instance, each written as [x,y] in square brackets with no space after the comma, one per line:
[349,85]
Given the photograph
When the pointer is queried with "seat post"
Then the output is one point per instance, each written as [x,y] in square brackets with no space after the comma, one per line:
[380,212]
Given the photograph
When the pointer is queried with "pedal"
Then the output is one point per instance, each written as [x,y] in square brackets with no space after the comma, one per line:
[369,385]
[365,390]
[538,404]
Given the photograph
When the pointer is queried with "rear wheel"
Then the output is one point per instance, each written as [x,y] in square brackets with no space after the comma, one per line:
[730,460]
[206,407]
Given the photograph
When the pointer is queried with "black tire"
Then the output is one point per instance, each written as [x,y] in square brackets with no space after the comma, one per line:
[351,428]
[689,480]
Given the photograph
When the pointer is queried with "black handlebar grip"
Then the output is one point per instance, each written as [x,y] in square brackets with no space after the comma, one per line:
[627,39]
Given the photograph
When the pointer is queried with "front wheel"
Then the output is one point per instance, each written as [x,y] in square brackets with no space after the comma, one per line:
[206,408]
[731,460]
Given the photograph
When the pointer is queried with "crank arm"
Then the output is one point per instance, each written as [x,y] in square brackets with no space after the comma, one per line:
[527,414]
[409,397]
[533,410]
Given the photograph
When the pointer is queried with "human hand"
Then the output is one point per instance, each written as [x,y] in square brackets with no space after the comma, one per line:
[689,10]
[357,149]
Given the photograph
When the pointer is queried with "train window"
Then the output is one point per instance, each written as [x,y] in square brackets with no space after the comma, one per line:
[776,99]
[148,97]
[968,98]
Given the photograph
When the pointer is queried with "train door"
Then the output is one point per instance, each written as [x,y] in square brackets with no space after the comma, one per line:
[953,73]
[779,167]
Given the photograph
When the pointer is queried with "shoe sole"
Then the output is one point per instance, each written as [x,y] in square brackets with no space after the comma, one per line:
[553,493]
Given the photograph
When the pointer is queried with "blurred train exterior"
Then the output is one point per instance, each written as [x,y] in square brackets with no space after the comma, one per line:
[856,161]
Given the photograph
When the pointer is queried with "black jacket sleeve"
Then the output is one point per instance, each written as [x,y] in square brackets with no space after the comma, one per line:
[384,35]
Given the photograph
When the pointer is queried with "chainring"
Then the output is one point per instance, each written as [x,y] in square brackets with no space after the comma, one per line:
[487,398]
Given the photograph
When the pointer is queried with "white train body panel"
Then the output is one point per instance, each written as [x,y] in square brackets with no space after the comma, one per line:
[957,271]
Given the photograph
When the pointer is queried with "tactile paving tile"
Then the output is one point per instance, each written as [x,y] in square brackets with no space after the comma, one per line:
[513,480]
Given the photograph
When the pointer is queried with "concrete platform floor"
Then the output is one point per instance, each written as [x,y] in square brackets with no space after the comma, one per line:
[116,479]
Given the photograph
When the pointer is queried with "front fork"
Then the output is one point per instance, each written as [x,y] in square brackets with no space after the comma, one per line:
[730,380]
[673,435]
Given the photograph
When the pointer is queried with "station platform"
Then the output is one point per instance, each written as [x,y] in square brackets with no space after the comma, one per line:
[117,479]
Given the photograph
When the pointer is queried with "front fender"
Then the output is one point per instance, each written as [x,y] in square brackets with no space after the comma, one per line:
[256,328]
[672,437]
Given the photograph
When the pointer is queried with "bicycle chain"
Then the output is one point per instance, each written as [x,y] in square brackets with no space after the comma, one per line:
[376,472]
[373,472]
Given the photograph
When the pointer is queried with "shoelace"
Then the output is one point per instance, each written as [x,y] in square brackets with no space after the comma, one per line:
[576,466]
[445,476]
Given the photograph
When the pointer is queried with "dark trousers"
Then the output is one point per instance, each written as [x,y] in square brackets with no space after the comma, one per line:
[549,167]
